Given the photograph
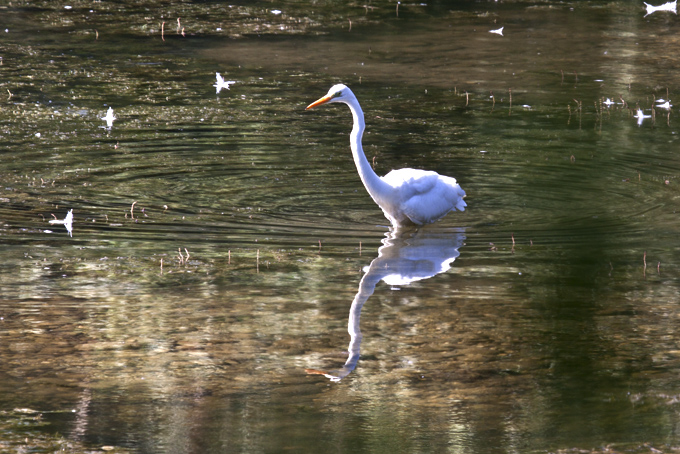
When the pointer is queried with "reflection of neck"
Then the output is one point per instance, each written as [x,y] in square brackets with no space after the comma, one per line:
[401,260]
[366,289]
[367,285]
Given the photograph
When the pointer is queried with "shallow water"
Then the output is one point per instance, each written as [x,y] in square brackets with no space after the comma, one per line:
[222,243]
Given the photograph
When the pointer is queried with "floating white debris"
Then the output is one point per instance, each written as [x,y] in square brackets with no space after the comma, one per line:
[641,116]
[608,102]
[68,7]
[526,106]
[276,11]
[67,222]
[498,31]
[109,118]
[668,6]
[221,83]
[663,104]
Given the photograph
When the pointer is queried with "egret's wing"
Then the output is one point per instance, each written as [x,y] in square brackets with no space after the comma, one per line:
[412,181]
[425,195]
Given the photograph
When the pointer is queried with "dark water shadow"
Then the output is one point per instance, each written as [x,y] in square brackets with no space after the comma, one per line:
[406,256]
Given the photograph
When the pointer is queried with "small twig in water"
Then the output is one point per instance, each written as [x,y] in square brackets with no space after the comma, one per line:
[132,208]
[569,109]
[163,31]
[580,107]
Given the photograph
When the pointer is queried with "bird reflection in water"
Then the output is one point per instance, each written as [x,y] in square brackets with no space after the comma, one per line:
[404,257]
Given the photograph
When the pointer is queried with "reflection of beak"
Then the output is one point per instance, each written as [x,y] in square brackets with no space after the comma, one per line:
[323,100]
[316,372]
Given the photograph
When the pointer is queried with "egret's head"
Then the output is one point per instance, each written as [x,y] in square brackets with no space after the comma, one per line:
[337,93]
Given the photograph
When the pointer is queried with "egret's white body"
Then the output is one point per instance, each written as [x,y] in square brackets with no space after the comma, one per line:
[405,195]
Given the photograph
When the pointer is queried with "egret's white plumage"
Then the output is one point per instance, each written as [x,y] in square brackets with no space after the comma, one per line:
[405,195]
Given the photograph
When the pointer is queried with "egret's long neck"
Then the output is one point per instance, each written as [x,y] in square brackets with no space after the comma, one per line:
[376,187]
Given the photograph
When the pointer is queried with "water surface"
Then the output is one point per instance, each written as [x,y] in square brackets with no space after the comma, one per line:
[223,243]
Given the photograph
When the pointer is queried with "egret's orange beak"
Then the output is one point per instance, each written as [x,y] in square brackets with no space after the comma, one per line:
[318,102]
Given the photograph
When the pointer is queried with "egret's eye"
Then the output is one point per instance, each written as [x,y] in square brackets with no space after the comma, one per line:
[337,94]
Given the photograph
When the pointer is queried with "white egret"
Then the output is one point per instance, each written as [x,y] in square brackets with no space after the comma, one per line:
[405,195]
